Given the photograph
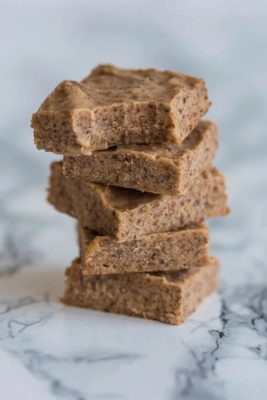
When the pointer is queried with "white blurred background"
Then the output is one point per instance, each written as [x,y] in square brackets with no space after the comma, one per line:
[44,42]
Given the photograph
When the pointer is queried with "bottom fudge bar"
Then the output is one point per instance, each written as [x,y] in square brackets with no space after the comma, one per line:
[155,252]
[164,296]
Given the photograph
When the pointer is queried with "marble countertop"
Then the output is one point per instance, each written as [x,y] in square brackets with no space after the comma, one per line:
[49,351]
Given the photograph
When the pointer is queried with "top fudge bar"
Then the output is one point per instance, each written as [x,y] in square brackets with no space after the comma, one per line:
[115,106]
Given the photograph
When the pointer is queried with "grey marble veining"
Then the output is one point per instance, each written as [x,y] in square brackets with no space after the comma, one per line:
[57,352]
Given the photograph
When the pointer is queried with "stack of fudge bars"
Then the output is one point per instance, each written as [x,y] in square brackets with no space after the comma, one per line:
[137,175]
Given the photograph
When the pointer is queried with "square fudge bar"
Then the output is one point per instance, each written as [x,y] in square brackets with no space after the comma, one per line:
[126,214]
[115,106]
[155,252]
[157,168]
[164,296]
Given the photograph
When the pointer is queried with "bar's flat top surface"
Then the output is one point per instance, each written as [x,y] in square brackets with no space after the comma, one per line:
[108,85]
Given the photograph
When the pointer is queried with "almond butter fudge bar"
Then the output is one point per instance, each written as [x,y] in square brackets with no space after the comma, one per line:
[127,214]
[164,296]
[161,168]
[155,252]
[115,106]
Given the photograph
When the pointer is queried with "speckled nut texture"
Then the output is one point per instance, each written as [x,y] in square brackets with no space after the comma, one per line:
[164,296]
[127,214]
[161,168]
[115,106]
[155,252]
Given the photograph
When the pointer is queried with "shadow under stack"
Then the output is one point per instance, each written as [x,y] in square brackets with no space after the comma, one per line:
[137,175]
